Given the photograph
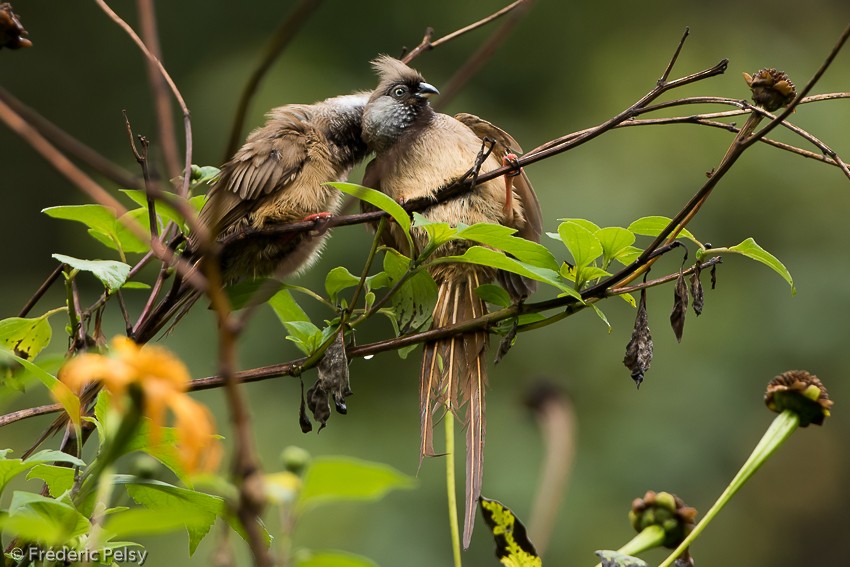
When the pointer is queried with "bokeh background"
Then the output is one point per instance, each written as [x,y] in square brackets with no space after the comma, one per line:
[567,66]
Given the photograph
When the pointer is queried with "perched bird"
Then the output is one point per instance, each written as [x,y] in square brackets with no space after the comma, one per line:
[418,151]
[276,177]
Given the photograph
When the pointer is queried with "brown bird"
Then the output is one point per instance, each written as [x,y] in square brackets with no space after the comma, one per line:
[276,177]
[418,151]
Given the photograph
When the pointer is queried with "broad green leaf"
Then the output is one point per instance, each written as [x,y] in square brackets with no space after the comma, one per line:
[614,241]
[25,337]
[513,547]
[252,292]
[332,479]
[438,232]
[492,258]
[58,479]
[378,281]
[96,217]
[582,244]
[628,255]
[70,402]
[286,308]
[164,210]
[158,495]
[135,285]
[111,273]
[591,226]
[601,315]
[127,238]
[337,280]
[306,336]
[653,225]
[143,521]
[44,520]
[54,456]
[413,302]
[305,558]
[502,238]
[495,294]
[379,200]
[751,249]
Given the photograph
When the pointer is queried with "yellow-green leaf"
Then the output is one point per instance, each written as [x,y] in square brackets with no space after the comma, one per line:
[751,249]
[512,545]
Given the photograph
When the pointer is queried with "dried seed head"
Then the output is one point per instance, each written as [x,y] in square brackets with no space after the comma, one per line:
[800,392]
[12,32]
[771,89]
[665,510]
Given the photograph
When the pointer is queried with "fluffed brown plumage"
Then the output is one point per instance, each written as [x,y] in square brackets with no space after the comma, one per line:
[418,151]
[276,177]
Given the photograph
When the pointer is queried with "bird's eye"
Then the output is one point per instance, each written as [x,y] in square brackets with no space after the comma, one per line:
[399,91]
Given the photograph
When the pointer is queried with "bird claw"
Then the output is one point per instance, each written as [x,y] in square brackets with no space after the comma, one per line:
[320,220]
[510,159]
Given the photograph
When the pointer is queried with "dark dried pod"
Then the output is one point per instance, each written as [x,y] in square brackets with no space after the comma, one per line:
[506,343]
[303,420]
[800,392]
[771,89]
[12,32]
[713,273]
[680,307]
[317,401]
[639,350]
[665,510]
[333,373]
[696,289]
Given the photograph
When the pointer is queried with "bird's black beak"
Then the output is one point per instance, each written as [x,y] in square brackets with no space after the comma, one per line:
[425,90]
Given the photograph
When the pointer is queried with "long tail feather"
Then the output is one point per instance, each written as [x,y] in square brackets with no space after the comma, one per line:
[454,375]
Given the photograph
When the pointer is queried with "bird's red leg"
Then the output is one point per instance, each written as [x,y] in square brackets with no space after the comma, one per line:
[321,220]
[509,159]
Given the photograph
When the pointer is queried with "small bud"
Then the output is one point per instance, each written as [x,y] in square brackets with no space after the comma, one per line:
[295,459]
[665,510]
[800,392]
[771,89]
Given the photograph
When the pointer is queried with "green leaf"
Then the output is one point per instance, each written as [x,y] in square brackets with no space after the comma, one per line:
[204,173]
[96,217]
[160,520]
[413,302]
[495,259]
[306,336]
[40,519]
[513,547]
[111,273]
[286,308]
[70,402]
[438,232]
[25,337]
[306,558]
[502,238]
[379,200]
[251,292]
[337,280]
[495,294]
[653,225]
[58,479]
[333,479]
[159,497]
[54,456]
[751,249]
[614,240]
[591,226]
[164,210]
[135,285]
[581,243]
[628,255]
[601,315]
[589,273]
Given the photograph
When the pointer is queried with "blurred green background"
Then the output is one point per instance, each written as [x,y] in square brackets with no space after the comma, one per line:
[567,66]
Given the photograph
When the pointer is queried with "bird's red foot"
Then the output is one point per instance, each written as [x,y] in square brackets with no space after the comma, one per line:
[318,216]
[320,220]
[509,159]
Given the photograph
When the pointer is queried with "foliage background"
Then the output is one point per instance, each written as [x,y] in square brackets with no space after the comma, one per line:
[567,66]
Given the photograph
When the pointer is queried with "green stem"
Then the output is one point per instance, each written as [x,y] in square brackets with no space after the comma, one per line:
[449,420]
[779,431]
[369,260]
[651,537]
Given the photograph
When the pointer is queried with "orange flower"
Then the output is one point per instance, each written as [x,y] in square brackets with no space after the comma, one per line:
[164,381]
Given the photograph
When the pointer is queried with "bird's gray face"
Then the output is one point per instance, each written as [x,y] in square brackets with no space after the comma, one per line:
[395,109]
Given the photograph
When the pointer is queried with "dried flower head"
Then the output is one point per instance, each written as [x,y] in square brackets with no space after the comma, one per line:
[771,89]
[800,392]
[665,510]
[12,32]
[164,381]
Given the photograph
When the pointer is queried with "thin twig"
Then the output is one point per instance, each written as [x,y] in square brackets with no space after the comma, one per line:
[481,56]
[70,145]
[187,123]
[279,40]
[42,289]
[159,89]
[426,44]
